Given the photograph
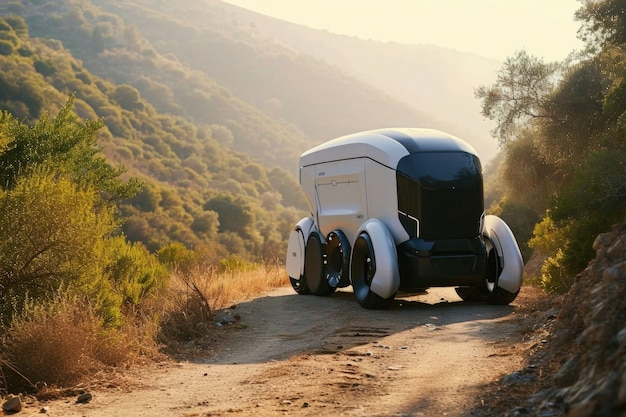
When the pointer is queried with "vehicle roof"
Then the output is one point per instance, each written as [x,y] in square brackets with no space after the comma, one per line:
[386,146]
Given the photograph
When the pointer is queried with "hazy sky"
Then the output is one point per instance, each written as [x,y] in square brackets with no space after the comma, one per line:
[491,28]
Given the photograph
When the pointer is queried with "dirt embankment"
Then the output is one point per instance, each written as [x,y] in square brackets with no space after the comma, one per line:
[429,354]
[587,341]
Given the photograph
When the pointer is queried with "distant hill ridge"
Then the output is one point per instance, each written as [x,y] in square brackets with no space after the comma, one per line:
[325,84]
[206,105]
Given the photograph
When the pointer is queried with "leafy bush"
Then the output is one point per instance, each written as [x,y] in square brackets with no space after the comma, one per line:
[50,235]
[133,271]
[177,256]
[234,263]
[550,239]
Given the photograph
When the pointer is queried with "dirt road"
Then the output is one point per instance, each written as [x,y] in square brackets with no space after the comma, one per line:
[427,355]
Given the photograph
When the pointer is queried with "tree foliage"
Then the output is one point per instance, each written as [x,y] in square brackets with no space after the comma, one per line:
[519,95]
[58,225]
[65,145]
[603,22]
[564,126]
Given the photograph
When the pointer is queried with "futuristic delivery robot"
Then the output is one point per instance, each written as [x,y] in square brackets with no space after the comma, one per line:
[400,209]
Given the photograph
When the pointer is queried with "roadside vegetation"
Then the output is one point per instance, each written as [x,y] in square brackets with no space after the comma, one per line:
[79,297]
[562,127]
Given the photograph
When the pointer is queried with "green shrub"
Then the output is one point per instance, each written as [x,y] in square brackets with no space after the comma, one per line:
[550,238]
[177,256]
[50,234]
[133,271]
[234,263]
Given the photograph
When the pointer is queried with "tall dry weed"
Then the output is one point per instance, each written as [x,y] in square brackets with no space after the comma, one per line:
[195,293]
[60,343]
[223,287]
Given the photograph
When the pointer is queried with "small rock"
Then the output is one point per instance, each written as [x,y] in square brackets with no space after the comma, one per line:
[227,317]
[12,405]
[305,405]
[519,411]
[517,378]
[431,327]
[84,398]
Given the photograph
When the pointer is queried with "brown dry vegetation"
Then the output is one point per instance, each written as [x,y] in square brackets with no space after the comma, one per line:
[64,344]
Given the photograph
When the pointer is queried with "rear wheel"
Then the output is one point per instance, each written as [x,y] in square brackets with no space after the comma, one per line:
[314,267]
[337,259]
[362,270]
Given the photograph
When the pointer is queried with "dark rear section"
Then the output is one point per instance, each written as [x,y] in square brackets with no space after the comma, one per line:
[440,204]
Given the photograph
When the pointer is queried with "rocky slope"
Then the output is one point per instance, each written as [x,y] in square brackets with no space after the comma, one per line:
[585,354]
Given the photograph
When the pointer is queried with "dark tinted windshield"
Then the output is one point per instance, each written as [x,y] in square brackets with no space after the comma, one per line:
[444,191]
[437,169]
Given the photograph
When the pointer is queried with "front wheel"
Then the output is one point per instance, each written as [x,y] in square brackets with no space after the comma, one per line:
[362,270]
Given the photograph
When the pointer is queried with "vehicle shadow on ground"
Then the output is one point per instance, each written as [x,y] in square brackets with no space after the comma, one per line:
[283,324]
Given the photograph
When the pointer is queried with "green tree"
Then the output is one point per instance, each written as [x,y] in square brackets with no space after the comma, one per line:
[566,152]
[234,214]
[50,235]
[128,97]
[603,22]
[578,115]
[65,145]
[6,48]
[18,24]
[520,94]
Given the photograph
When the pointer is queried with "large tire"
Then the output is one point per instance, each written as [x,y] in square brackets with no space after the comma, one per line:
[362,270]
[314,267]
[337,259]
[488,291]
[495,294]
[471,293]
[300,286]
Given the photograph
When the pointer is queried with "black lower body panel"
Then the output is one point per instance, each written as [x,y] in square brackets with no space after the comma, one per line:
[441,263]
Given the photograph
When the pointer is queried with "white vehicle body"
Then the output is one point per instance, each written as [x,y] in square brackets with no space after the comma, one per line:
[399,209]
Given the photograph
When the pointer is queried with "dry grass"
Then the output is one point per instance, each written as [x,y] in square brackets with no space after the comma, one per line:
[224,288]
[194,294]
[60,344]
[63,343]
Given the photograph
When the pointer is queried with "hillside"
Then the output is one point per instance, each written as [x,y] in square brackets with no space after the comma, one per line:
[203,103]
[318,98]
[197,191]
[436,81]
[326,84]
